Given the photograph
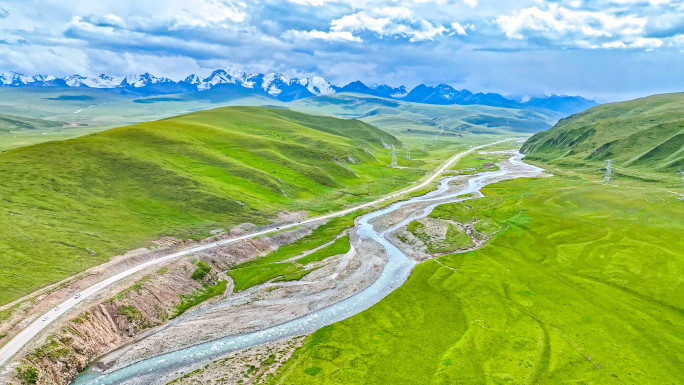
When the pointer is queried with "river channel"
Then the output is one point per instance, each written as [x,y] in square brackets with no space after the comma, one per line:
[395,272]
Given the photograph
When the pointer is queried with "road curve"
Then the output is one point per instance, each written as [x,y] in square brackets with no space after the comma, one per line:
[31,331]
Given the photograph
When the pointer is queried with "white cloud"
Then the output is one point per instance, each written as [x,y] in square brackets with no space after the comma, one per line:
[460,29]
[365,4]
[583,28]
[646,43]
[322,35]
[383,21]
[310,2]
[207,13]
[558,20]
[650,2]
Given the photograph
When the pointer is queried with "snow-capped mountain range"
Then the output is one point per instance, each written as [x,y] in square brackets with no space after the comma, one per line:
[273,84]
[283,88]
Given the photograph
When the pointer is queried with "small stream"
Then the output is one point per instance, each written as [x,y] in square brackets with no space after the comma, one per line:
[393,275]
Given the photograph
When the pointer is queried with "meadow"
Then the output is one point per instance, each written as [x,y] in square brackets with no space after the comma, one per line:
[583,285]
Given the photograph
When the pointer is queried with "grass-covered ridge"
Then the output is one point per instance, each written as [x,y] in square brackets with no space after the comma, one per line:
[581,286]
[65,206]
[646,133]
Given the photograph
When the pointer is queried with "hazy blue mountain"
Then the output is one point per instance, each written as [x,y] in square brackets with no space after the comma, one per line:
[566,104]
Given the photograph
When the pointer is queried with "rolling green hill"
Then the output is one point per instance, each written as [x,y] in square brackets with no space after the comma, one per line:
[406,118]
[69,205]
[645,134]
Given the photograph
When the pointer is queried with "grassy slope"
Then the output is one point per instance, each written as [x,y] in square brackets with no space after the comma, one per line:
[69,205]
[583,286]
[646,133]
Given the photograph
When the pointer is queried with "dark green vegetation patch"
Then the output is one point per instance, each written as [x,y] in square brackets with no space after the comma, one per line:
[72,98]
[27,374]
[11,123]
[198,296]
[202,270]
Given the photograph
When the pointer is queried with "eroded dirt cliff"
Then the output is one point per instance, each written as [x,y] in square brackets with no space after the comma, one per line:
[148,303]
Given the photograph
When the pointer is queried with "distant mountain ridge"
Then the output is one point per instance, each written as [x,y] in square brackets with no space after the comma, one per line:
[286,89]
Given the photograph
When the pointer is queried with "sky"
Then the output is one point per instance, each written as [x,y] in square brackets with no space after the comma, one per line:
[602,49]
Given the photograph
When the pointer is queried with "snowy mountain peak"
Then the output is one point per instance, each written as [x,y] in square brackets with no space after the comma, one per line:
[274,83]
[317,85]
[192,79]
[75,80]
[146,79]
[14,79]
[219,76]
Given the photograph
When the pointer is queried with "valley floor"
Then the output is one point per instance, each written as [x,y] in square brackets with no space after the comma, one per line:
[543,280]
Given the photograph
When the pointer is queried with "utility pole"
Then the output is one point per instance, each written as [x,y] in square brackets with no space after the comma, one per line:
[408,153]
[422,145]
[394,157]
[609,171]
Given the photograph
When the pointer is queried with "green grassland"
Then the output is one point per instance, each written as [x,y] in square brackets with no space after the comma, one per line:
[583,285]
[645,134]
[340,246]
[69,205]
